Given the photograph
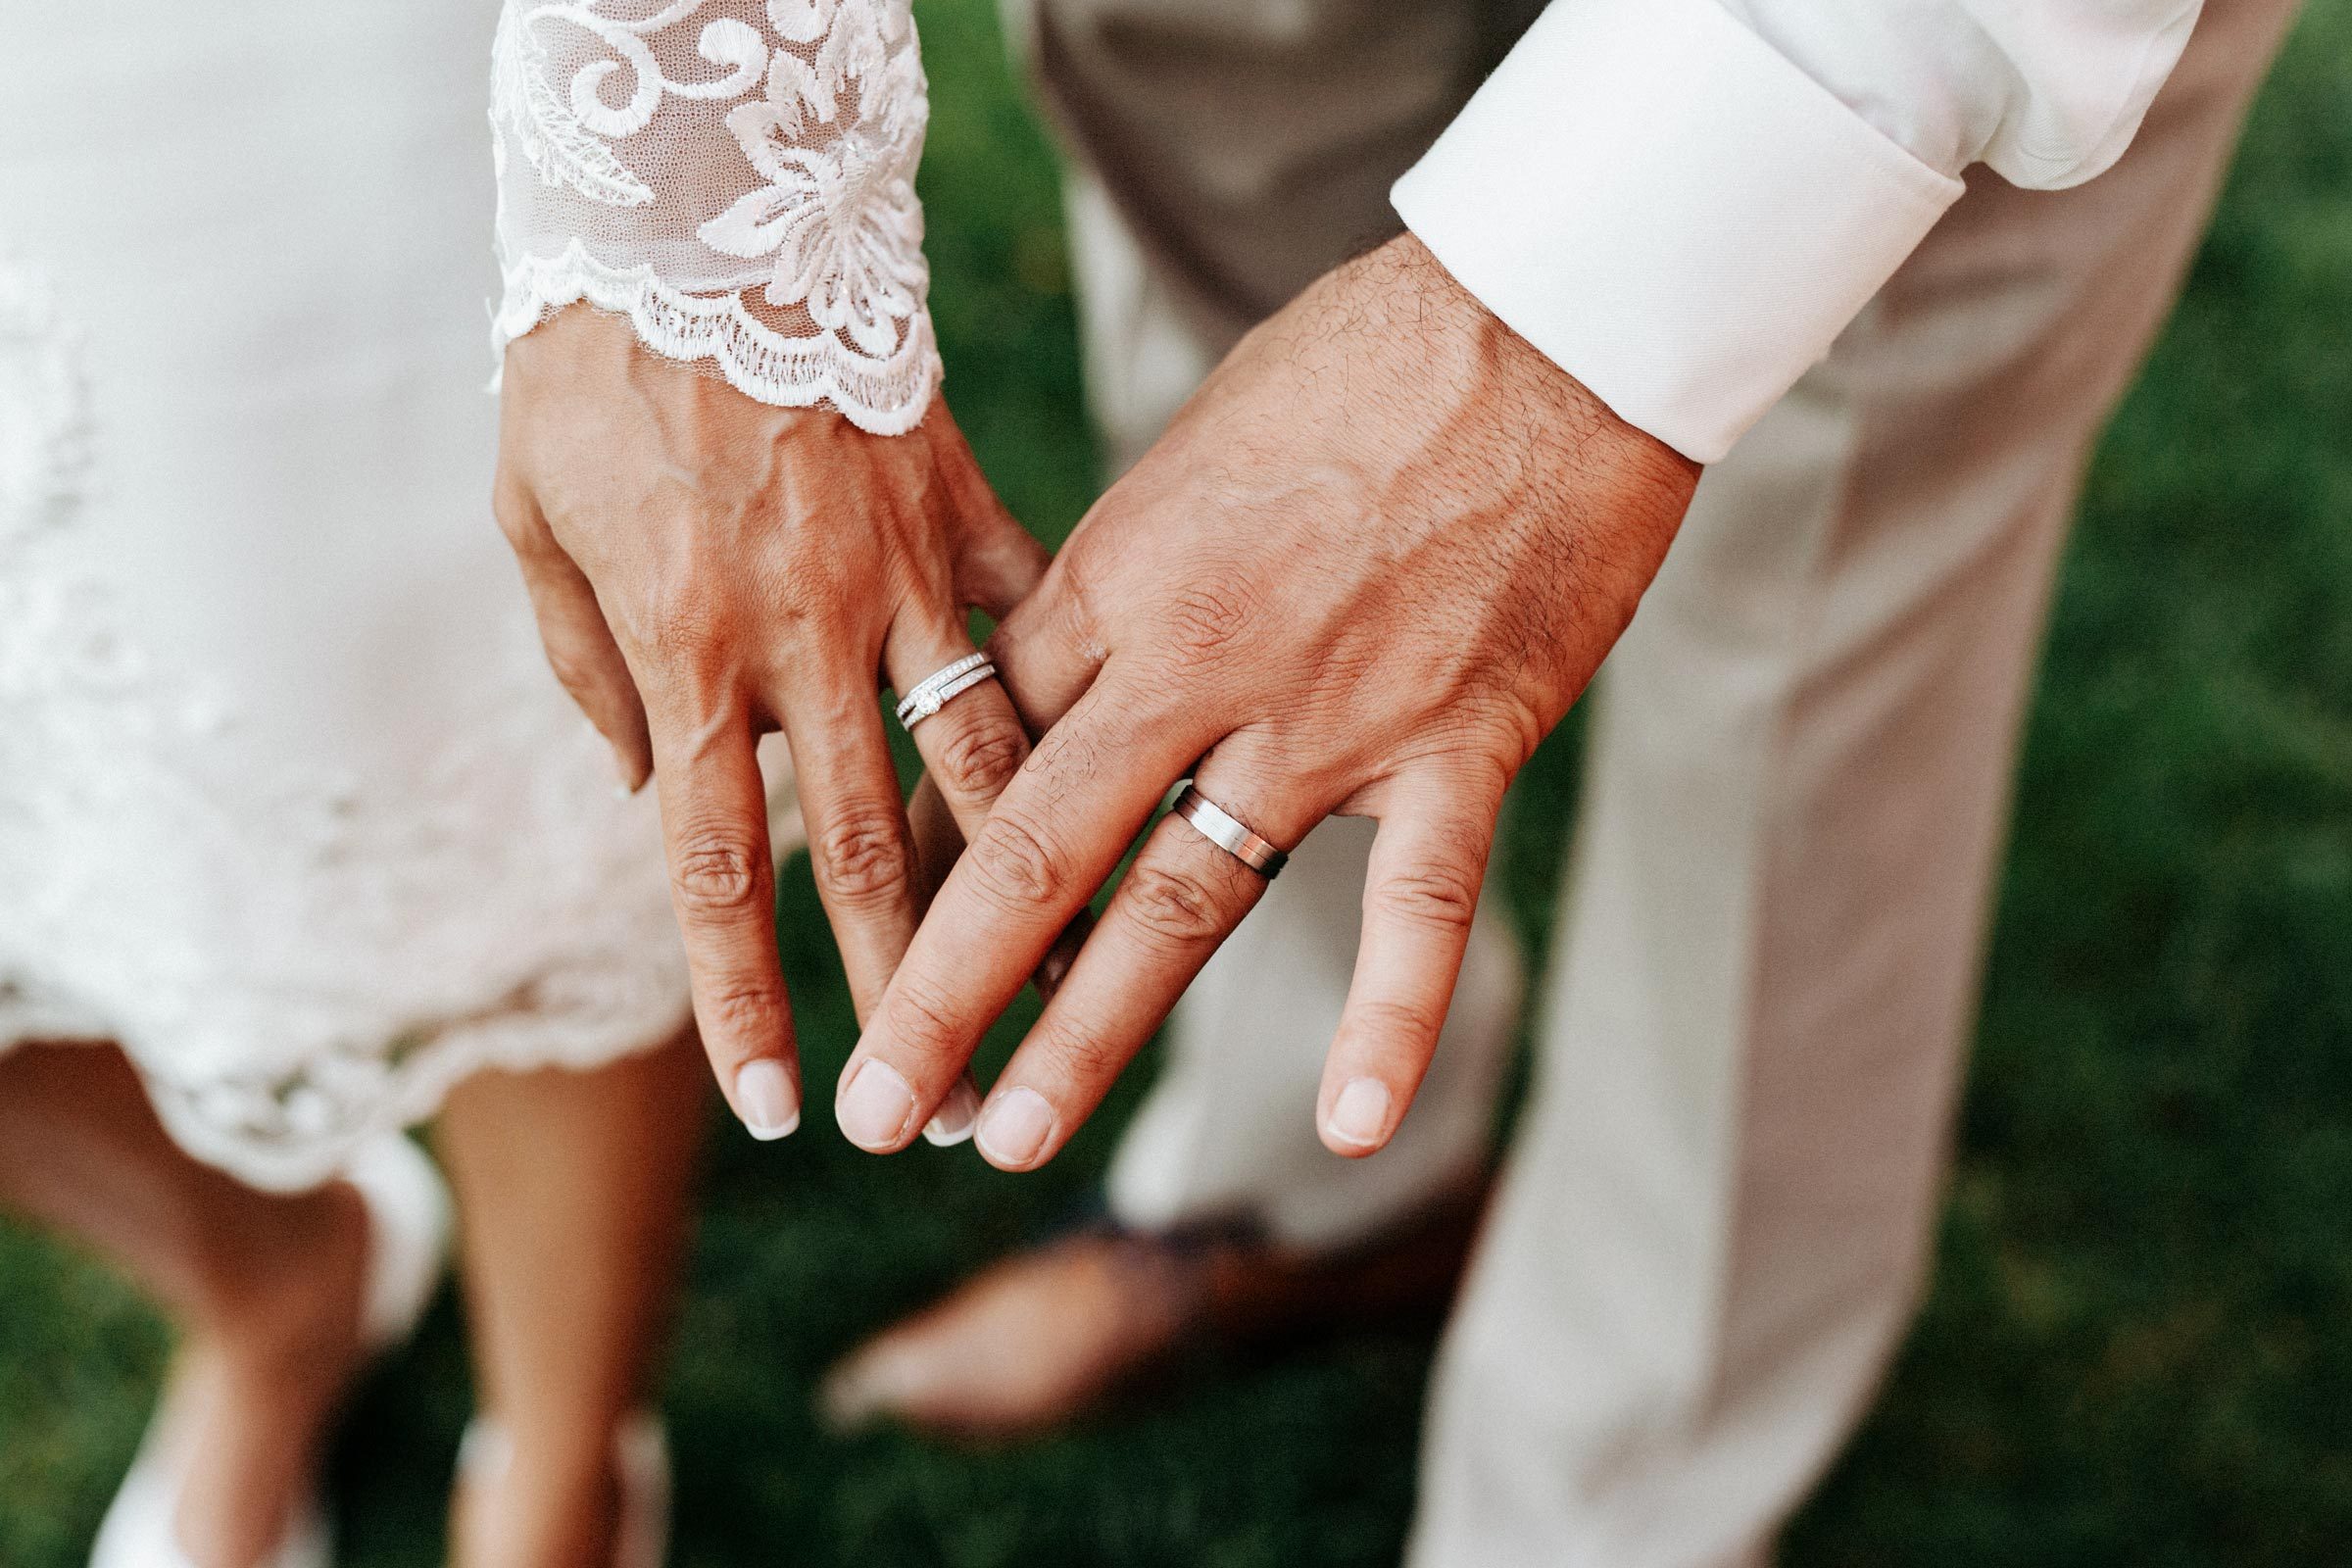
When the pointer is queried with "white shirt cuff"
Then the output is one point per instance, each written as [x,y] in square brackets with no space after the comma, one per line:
[1669,210]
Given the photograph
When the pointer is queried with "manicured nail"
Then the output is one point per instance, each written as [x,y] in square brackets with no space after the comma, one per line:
[1014,1126]
[764,1096]
[955,1117]
[1359,1118]
[874,1106]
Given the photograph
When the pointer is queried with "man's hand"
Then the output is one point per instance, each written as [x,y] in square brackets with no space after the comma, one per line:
[1369,569]
[706,567]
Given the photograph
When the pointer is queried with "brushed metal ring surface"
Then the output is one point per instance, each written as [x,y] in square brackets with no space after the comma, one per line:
[1229,833]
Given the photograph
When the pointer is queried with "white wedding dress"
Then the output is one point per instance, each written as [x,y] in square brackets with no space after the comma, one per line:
[290,804]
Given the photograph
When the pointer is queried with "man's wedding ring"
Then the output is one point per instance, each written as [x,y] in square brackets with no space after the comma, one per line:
[1228,833]
[943,687]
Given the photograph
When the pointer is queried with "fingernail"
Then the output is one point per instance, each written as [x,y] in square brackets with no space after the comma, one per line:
[858,1394]
[1359,1118]
[1014,1126]
[954,1120]
[873,1107]
[765,1098]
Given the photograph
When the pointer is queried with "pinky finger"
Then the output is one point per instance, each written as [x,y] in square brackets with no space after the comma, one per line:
[1420,895]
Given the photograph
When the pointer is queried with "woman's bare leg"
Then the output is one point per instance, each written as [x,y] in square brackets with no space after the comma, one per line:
[265,1289]
[574,1195]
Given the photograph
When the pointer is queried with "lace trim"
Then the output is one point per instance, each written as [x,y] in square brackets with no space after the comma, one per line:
[780,133]
[885,397]
[293,1132]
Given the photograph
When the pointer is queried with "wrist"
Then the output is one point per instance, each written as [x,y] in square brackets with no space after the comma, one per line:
[1669,209]
[1460,336]
[584,350]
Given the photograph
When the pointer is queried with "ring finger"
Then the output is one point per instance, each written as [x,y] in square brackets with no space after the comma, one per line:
[971,745]
[971,748]
[1183,897]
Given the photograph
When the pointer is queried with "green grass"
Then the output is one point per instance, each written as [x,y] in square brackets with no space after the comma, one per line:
[2137,1350]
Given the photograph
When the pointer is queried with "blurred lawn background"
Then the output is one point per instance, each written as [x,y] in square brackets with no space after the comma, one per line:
[2137,1350]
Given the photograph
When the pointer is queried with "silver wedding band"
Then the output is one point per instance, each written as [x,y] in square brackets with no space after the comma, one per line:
[937,690]
[1228,833]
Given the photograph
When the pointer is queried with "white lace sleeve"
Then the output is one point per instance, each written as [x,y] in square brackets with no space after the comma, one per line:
[736,176]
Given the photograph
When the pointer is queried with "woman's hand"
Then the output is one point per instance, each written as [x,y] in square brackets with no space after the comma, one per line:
[706,567]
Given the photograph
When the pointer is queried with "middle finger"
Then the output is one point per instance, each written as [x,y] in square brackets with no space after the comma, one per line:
[1179,901]
[861,851]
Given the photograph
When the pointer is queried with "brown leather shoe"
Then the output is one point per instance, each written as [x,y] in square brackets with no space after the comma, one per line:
[1045,1335]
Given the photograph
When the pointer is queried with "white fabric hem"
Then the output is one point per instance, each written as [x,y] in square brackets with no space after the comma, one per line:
[525,1034]
[882,396]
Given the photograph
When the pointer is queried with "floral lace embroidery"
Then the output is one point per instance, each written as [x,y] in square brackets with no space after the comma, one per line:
[773,147]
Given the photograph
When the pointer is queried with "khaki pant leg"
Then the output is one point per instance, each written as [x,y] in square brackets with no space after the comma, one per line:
[1720,1207]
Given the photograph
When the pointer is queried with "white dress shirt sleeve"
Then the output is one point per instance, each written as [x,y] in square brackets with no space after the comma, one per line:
[1682,202]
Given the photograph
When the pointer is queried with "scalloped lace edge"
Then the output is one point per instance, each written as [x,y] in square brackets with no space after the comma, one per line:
[614,1021]
[883,397]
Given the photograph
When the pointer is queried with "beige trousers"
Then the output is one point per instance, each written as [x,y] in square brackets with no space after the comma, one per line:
[1718,1211]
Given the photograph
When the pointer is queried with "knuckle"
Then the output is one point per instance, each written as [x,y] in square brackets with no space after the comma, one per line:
[575,672]
[1440,896]
[979,759]
[1016,865]
[514,510]
[921,1022]
[1174,908]
[679,626]
[1203,617]
[719,876]
[1396,1022]
[512,525]
[823,594]
[1079,1055]
[863,854]
[743,1009]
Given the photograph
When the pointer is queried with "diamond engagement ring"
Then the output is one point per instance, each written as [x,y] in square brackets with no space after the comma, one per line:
[943,687]
[1228,833]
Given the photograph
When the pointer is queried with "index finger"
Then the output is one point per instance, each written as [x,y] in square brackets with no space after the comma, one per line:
[722,881]
[1056,835]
